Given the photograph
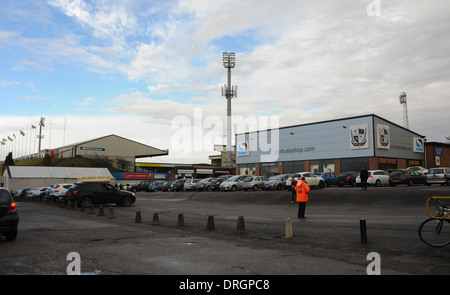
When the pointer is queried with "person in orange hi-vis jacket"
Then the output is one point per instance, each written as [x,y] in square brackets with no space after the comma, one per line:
[302,189]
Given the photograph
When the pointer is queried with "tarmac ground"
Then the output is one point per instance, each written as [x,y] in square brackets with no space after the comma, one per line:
[327,242]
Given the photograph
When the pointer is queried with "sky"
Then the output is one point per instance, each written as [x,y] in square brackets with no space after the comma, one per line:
[152,71]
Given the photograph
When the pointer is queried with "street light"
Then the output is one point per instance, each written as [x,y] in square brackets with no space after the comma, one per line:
[229,61]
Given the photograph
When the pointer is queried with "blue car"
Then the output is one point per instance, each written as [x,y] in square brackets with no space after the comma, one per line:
[329,178]
[155,186]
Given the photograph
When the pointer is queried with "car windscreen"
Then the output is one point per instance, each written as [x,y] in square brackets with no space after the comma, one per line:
[4,197]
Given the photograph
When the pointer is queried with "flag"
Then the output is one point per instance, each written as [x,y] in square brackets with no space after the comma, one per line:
[42,122]
[3,143]
[33,127]
[10,138]
[22,133]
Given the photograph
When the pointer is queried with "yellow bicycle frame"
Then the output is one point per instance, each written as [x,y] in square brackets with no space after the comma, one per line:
[445,216]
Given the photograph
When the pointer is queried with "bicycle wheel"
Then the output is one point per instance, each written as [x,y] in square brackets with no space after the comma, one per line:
[435,232]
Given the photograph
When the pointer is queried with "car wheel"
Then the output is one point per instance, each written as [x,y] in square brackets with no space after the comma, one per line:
[410,182]
[87,202]
[255,187]
[127,201]
[234,188]
[11,236]
[278,187]
[321,185]
[378,183]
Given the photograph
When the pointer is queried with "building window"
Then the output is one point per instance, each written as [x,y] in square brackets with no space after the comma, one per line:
[354,164]
[319,166]
[268,169]
[248,169]
[293,167]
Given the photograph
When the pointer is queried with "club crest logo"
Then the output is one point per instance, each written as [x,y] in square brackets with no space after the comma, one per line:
[383,136]
[359,137]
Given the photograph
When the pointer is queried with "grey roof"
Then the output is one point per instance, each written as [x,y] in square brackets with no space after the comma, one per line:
[56,172]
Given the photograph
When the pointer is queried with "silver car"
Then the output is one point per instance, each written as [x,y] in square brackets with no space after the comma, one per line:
[438,176]
[252,182]
[231,184]
[276,182]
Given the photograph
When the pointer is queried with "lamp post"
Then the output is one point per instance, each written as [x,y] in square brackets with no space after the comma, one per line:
[229,61]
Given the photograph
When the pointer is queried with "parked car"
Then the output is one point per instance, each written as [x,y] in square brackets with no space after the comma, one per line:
[329,178]
[252,182]
[57,190]
[89,193]
[409,177]
[177,185]
[276,182]
[155,186]
[347,178]
[418,168]
[190,184]
[376,178]
[215,183]
[22,193]
[204,184]
[310,178]
[166,186]
[9,218]
[39,193]
[231,184]
[438,176]
[31,192]
[139,186]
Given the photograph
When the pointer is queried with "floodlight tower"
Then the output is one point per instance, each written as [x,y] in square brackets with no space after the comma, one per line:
[402,99]
[229,61]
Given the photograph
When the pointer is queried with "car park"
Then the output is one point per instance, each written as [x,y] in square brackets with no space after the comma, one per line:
[376,178]
[22,193]
[190,184]
[87,194]
[252,182]
[9,218]
[347,178]
[203,184]
[438,176]
[310,178]
[409,177]
[39,193]
[276,182]
[231,184]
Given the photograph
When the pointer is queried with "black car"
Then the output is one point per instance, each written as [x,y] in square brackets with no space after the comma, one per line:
[86,194]
[409,177]
[9,218]
[140,186]
[177,185]
[347,178]
[215,184]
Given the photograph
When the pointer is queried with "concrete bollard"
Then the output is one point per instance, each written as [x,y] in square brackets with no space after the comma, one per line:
[100,211]
[180,222]
[210,225]
[362,227]
[111,213]
[91,210]
[138,218]
[155,219]
[240,225]
[289,233]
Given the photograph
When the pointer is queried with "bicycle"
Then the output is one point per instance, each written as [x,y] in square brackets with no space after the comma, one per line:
[435,231]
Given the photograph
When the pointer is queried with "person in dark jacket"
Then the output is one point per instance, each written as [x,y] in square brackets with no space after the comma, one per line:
[364,175]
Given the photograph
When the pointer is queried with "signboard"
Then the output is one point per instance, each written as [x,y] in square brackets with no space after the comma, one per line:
[418,145]
[137,175]
[359,136]
[383,137]
[84,148]
[243,148]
